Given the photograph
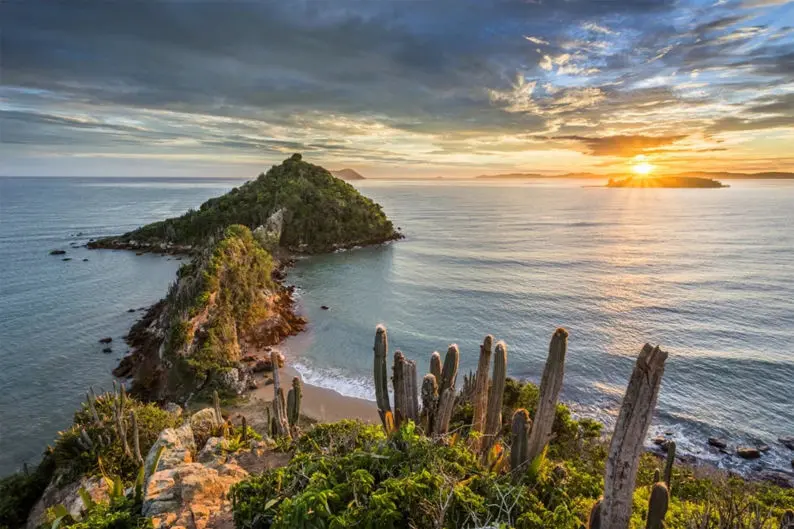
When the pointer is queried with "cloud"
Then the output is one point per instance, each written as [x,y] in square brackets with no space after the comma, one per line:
[625,146]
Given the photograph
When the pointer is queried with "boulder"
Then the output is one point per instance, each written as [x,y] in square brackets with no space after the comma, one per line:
[235,380]
[748,452]
[213,449]
[787,441]
[660,440]
[718,442]
[204,424]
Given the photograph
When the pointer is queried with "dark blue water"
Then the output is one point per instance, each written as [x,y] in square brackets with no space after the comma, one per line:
[708,274]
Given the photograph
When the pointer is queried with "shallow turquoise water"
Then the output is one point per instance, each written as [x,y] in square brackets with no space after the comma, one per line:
[708,274]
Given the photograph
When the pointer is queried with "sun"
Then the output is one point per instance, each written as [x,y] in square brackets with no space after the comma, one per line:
[641,167]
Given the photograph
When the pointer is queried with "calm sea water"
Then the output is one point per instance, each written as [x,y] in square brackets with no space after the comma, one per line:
[708,274]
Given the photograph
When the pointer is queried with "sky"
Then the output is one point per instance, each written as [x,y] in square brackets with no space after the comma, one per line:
[395,88]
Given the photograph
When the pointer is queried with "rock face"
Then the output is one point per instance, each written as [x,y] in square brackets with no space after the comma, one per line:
[190,490]
[69,496]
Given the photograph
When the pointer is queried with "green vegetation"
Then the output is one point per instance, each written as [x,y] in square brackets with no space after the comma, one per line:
[218,299]
[20,491]
[321,212]
[118,514]
[101,449]
[349,474]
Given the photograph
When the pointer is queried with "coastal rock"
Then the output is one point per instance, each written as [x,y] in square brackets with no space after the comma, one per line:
[203,423]
[178,448]
[718,442]
[125,367]
[788,441]
[748,452]
[107,339]
[69,497]
[324,307]
[107,350]
[57,252]
[235,380]
[781,479]
[659,440]
[130,310]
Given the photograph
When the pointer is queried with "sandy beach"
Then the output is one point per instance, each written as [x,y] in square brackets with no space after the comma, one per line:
[319,404]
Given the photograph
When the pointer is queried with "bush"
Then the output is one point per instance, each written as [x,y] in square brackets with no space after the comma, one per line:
[71,457]
[120,514]
[19,492]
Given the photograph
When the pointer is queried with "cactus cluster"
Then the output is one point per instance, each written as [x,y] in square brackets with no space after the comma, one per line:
[279,420]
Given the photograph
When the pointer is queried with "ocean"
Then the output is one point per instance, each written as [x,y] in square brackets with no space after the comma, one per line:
[707,274]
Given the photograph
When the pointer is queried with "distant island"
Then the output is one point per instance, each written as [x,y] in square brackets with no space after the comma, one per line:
[666,182]
[347,174]
[776,175]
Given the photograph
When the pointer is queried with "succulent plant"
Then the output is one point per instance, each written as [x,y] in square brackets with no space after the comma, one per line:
[657,506]
[136,439]
[480,393]
[406,398]
[550,385]
[493,415]
[631,428]
[429,402]
[519,434]
[381,349]
[594,522]
[444,411]
[449,373]
[216,403]
[668,466]
[435,366]
[294,398]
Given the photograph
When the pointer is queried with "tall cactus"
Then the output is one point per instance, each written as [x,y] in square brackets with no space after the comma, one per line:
[493,416]
[550,385]
[381,349]
[627,441]
[294,398]
[657,506]
[136,439]
[280,413]
[91,399]
[668,466]
[480,397]
[444,411]
[520,440]
[406,398]
[216,404]
[594,522]
[429,402]
[118,417]
[449,373]
[435,366]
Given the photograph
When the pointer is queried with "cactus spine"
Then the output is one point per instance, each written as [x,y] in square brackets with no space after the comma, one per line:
[435,366]
[657,506]
[480,396]
[668,466]
[550,385]
[520,440]
[136,439]
[381,349]
[493,417]
[294,402]
[429,402]
[627,441]
[449,373]
[406,398]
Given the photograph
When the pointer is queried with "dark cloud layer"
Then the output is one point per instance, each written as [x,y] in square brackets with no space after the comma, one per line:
[332,77]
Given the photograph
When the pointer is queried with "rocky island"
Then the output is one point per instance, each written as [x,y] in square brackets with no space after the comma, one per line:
[672,182]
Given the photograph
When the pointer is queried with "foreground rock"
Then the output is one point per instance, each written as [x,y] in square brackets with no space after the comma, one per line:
[190,488]
[69,496]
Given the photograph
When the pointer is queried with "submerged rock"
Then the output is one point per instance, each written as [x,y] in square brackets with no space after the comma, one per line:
[107,339]
[748,452]
[788,441]
[718,442]
[57,252]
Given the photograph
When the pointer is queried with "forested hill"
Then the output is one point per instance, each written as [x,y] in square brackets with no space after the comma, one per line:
[309,209]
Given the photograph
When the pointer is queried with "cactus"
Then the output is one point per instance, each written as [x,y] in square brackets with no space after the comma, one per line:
[244,426]
[657,506]
[520,440]
[480,396]
[595,515]
[294,402]
[280,413]
[787,521]
[121,431]
[429,402]
[91,399]
[136,439]
[381,376]
[444,411]
[406,399]
[493,416]
[656,476]
[435,365]
[450,371]
[467,391]
[668,466]
[550,385]
[631,428]
[216,402]
[274,361]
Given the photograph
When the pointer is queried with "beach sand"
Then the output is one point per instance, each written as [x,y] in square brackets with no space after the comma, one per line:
[319,404]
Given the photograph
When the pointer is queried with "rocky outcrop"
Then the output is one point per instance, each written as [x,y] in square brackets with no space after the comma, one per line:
[69,496]
[189,489]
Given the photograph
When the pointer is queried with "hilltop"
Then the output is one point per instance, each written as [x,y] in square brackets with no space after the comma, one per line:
[312,210]
[348,174]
